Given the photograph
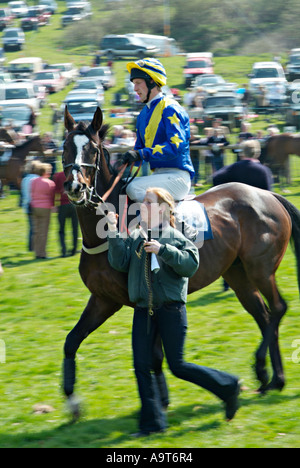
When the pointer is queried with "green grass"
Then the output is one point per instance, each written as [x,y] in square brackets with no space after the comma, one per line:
[41,301]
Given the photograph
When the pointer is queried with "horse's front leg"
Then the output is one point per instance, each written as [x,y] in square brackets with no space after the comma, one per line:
[95,314]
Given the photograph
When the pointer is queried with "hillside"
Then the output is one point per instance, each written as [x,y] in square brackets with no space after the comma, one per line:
[79,43]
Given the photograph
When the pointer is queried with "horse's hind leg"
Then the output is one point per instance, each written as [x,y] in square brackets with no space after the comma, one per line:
[278,308]
[254,304]
[94,315]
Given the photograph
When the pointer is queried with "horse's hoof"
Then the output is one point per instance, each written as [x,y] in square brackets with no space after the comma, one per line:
[276,384]
[273,385]
[73,404]
[261,390]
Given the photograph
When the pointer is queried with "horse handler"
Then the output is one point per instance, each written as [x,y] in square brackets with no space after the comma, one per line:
[158,272]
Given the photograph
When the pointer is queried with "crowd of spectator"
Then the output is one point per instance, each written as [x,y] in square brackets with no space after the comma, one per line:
[42,190]
[42,193]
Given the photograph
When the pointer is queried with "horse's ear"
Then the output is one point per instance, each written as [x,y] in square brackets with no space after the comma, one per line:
[97,120]
[69,121]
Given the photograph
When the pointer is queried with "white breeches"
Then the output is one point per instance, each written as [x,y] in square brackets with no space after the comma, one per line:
[175,181]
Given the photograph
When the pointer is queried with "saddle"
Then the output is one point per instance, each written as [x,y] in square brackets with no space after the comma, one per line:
[191,215]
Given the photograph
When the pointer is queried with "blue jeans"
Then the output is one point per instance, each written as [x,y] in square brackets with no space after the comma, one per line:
[170,322]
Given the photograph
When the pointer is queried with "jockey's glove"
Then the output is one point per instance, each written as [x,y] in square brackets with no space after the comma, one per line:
[131,157]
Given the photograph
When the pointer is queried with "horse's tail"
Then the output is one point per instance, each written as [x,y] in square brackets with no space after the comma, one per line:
[295,238]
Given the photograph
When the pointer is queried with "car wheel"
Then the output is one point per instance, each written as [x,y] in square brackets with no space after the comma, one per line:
[141,54]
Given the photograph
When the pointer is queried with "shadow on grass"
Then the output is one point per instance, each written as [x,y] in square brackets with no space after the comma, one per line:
[14,262]
[115,431]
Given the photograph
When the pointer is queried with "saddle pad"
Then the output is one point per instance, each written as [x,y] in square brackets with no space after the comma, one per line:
[194,213]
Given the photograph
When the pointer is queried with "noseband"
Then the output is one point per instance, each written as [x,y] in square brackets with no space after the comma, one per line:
[91,198]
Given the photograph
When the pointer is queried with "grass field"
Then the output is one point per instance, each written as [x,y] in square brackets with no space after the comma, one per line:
[42,300]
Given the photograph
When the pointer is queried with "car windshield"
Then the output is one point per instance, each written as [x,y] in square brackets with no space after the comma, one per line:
[45,76]
[11,33]
[224,101]
[18,93]
[18,113]
[205,80]
[197,64]
[21,67]
[266,73]
[95,72]
[295,59]
[86,85]
[33,12]
[74,11]
[60,67]
[85,107]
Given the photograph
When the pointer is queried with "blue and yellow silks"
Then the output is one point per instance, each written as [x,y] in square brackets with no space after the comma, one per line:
[163,133]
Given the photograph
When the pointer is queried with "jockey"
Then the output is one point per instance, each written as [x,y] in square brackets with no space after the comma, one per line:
[163,133]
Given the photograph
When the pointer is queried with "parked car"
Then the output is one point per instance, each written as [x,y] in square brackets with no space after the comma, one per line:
[36,17]
[213,83]
[104,74]
[6,18]
[51,78]
[264,73]
[18,8]
[2,56]
[13,38]
[19,93]
[68,71]
[114,46]
[81,107]
[90,84]
[75,13]
[25,67]
[293,105]
[96,95]
[197,63]
[293,67]
[50,6]
[225,106]
[15,114]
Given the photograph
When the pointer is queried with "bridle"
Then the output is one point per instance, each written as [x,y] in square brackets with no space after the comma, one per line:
[91,197]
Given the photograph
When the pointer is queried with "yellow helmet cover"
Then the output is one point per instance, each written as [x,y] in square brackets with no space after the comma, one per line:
[151,67]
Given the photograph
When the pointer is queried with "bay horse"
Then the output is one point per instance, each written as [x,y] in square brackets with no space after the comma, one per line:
[11,171]
[251,231]
[277,151]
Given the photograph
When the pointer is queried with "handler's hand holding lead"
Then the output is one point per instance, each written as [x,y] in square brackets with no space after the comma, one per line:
[152,246]
[130,157]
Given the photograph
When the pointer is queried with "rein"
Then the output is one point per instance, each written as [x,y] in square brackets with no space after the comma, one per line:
[93,199]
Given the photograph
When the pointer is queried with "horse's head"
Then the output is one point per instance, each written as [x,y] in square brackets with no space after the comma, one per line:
[81,157]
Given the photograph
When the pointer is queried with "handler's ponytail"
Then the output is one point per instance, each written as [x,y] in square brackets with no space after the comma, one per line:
[163,196]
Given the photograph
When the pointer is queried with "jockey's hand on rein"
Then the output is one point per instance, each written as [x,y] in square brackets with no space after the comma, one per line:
[130,157]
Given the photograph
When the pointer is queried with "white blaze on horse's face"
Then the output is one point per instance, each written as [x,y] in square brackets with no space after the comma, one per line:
[80,141]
